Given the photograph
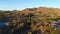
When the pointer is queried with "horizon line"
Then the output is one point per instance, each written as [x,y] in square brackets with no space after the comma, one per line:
[28,7]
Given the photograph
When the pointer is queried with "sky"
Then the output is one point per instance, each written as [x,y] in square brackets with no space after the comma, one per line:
[22,4]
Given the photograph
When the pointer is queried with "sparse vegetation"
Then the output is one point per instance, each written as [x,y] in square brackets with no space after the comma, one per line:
[40,20]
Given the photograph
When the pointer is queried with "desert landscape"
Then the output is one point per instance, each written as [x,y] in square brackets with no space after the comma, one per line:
[41,20]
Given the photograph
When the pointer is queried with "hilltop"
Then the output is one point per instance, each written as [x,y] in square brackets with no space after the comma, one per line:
[41,11]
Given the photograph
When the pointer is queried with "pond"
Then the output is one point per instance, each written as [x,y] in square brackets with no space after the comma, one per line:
[2,25]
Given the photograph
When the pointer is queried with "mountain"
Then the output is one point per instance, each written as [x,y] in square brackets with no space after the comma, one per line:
[30,20]
[42,11]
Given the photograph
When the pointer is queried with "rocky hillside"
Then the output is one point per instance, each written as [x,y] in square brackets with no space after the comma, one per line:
[31,21]
[41,11]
